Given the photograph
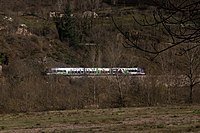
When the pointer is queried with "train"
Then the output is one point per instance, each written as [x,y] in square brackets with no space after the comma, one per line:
[95,71]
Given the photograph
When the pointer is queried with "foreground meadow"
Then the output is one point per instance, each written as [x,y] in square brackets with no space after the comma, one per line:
[174,119]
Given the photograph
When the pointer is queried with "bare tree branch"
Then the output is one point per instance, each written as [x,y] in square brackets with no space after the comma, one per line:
[180,21]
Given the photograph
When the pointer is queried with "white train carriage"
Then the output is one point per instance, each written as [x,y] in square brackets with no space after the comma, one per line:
[66,71]
[95,71]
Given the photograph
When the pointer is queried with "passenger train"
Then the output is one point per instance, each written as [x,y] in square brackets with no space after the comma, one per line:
[95,71]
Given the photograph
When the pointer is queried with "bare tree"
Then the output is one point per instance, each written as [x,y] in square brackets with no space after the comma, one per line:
[191,69]
[178,21]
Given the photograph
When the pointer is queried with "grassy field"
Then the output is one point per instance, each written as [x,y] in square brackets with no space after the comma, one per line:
[173,119]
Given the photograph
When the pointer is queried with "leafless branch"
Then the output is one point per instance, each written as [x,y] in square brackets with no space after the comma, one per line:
[179,20]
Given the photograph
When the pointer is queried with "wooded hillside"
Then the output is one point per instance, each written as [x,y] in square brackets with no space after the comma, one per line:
[31,41]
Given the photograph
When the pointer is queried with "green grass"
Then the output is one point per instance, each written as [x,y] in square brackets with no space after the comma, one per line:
[196,111]
[160,119]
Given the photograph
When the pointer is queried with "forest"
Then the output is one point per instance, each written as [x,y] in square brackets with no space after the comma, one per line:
[161,36]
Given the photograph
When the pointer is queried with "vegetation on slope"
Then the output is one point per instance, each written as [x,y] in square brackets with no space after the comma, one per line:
[24,87]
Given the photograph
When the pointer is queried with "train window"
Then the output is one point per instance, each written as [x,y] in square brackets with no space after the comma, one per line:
[120,71]
[140,70]
[132,70]
[79,72]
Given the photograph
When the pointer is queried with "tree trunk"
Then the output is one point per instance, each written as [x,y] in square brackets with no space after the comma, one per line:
[121,99]
[190,97]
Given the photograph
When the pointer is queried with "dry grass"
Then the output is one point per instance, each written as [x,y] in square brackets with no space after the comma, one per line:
[146,119]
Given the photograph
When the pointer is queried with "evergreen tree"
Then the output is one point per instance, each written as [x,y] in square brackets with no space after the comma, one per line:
[66,27]
[3,59]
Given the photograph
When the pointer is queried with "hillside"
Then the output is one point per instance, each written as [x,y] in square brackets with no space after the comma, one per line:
[30,44]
